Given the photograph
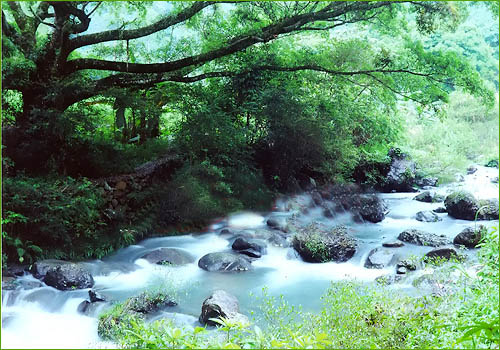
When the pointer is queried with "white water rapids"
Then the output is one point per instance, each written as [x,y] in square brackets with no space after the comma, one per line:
[37,316]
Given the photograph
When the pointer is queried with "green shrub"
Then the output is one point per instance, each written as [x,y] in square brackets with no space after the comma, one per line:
[45,217]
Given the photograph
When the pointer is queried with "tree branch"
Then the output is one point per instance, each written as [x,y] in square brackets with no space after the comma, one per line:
[118,34]
[239,43]
[16,38]
[19,15]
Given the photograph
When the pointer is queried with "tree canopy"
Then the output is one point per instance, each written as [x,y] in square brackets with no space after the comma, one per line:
[50,50]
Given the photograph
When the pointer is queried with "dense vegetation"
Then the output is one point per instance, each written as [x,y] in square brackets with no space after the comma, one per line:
[252,99]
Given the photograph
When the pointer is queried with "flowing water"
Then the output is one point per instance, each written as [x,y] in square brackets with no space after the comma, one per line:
[35,315]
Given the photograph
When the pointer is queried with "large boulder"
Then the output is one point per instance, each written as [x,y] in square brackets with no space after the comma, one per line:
[488,209]
[429,197]
[317,244]
[419,237]
[463,205]
[379,258]
[172,256]
[469,237]
[220,305]
[224,262]
[68,276]
[254,248]
[402,173]
[372,208]
[40,268]
[427,216]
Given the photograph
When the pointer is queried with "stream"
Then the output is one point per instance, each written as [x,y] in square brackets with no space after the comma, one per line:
[38,316]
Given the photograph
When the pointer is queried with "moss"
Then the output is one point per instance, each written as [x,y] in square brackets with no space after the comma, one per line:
[112,322]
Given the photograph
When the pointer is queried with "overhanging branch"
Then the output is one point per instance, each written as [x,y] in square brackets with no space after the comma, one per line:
[268,33]
[119,34]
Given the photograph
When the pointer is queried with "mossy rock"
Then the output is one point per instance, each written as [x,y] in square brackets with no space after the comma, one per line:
[462,205]
[138,307]
[316,244]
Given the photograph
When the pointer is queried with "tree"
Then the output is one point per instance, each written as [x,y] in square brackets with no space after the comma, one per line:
[48,58]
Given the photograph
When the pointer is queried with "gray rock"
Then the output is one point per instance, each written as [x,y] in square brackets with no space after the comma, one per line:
[419,237]
[316,197]
[95,296]
[254,248]
[139,306]
[393,244]
[402,173]
[173,256]
[372,208]
[494,180]
[429,197]
[427,181]
[469,237]
[83,307]
[471,169]
[226,231]
[224,262]
[427,216]
[68,276]
[14,270]
[463,205]
[278,223]
[219,305]
[379,258]
[318,244]
[432,283]
[488,209]
[40,268]
[442,253]
[439,210]
[278,240]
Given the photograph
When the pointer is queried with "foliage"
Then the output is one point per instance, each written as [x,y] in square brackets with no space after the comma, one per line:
[446,146]
[58,218]
[202,191]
